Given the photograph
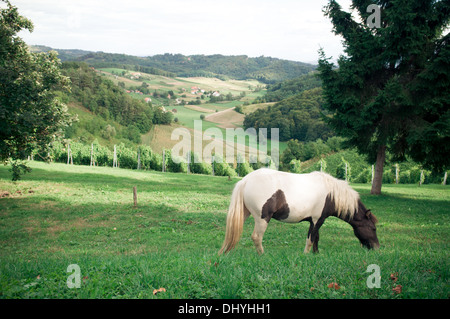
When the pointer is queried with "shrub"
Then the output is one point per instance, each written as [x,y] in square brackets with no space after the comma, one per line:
[405,177]
[255,163]
[364,177]
[58,152]
[132,133]
[176,164]
[199,167]
[340,170]
[103,156]
[81,154]
[146,156]
[126,157]
[295,166]
[221,168]
[243,168]
[335,143]
[388,176]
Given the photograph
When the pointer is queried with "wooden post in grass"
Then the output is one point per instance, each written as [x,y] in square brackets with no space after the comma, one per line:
[68,153]
[115,157]
[212,164]
[139,159]
[92,155]
[188,155]
[422,178]
[135,196]
[164,161]
[397,174]
[444,182]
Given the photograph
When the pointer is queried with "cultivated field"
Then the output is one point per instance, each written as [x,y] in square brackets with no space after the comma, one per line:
[183,86]
[226,118]
[219,115]
[60,215]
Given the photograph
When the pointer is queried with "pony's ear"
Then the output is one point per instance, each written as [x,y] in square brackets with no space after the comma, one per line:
[371,216]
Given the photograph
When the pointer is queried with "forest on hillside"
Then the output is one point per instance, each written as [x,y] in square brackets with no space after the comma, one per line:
[240,67]
[284,89]
[298,116]
[110,103]
[264,69]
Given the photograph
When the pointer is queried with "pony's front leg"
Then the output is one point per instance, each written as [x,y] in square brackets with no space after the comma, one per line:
[308,245]
[258,233]
[313,237]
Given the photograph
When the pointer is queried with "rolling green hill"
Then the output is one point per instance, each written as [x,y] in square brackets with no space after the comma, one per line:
[116,106]
[240,67]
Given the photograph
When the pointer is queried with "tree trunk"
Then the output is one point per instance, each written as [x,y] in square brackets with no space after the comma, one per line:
[378,176]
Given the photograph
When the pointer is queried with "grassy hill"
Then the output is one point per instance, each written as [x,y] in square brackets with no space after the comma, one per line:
[117,106]
[90,127]
[187,90]
[264,69]
[106,114]
[60,215]
[241,67]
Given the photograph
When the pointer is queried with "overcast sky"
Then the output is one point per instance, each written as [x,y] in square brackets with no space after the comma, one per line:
[287,29]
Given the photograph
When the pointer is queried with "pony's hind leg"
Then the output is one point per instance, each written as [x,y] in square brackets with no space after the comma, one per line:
[246,213]
[258,233]
[309,242]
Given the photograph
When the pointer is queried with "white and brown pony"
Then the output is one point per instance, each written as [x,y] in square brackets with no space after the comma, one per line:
[293,198]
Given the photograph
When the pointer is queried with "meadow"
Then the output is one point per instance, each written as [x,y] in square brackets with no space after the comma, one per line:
[182,87]
[59,215]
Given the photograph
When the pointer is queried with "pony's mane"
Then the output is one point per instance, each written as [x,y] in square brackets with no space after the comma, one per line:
[344,197]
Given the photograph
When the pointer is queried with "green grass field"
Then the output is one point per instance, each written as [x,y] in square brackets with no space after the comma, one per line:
[60,215]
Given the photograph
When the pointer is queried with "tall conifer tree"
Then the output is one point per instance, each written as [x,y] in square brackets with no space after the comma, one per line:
[391,90]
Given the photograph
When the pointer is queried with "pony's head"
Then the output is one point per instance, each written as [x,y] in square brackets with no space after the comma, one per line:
[363,223]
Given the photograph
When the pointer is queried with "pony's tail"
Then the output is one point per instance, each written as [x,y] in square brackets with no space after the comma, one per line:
[235,218]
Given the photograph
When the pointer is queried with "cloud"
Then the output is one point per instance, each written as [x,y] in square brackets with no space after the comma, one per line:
[290,29]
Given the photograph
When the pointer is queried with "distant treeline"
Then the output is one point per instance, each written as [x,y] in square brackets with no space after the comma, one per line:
[285,89]
[264,69]
[108,60]
[241,67]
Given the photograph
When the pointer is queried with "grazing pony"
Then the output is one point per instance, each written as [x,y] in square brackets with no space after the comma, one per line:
[294,198]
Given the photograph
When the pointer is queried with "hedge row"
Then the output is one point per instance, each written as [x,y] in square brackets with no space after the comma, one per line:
[358,170]
[80,154]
